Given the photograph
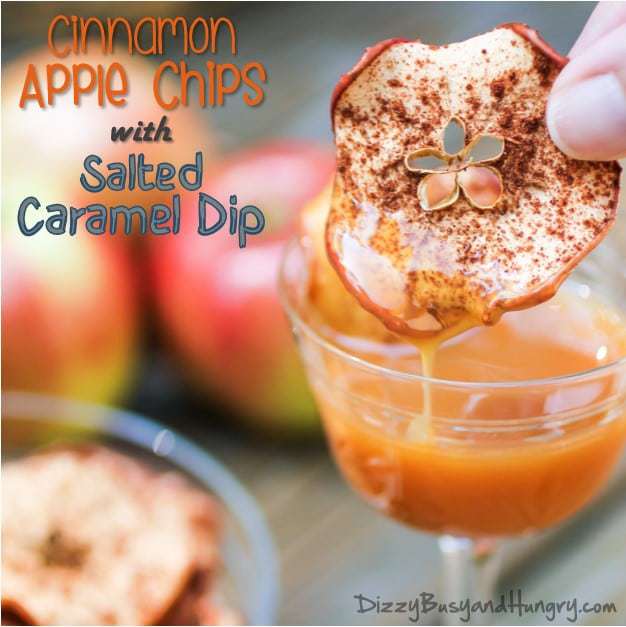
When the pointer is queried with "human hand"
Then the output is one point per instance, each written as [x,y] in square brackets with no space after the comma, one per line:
[587,108]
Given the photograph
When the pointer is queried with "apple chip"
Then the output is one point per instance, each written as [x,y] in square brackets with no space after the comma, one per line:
[90,537]
[451,204]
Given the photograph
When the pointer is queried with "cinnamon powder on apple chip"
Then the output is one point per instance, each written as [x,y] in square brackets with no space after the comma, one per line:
[451,203]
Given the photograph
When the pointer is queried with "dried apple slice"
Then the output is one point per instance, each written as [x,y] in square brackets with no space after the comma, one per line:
[197,605]
[91,537]
[484,148]
[454,137]
[518,225]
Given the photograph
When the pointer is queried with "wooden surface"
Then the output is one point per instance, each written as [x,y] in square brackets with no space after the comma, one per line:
[331,545]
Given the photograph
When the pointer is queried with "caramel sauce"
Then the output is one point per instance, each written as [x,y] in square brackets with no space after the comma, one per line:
[420,426]
[436,477]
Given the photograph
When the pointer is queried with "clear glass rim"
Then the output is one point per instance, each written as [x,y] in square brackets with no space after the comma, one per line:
[400,375]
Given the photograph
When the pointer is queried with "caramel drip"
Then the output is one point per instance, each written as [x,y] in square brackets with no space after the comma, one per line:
[421,427]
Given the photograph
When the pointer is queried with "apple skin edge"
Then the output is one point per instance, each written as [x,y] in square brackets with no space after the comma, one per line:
[533,36]
[369,55]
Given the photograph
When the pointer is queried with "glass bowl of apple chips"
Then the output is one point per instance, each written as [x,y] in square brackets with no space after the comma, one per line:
[110,518]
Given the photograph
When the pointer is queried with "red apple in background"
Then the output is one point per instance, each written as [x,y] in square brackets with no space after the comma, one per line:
[219,304]
[69,313]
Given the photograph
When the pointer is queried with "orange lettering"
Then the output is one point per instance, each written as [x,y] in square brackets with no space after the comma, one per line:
[111,92]
[223,88]
[247,69]
[77,70]
[31,80]
[51,28]
[51,71]
[173,103]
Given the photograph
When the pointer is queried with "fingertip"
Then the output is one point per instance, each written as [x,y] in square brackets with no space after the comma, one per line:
[587,120]
[552,112]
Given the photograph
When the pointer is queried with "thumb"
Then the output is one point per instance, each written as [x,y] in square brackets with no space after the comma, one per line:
[586,113]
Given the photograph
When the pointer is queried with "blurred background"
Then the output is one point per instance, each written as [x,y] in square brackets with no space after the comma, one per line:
[189,330]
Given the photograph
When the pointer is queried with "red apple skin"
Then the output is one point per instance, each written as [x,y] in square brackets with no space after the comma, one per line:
[219,304]
[69,316]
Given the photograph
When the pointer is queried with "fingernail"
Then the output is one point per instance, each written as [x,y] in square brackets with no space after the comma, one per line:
[588,120]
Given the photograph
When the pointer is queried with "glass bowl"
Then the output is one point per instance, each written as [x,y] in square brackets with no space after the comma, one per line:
[249,581]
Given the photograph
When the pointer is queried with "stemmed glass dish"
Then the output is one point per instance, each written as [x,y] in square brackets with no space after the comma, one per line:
[493,458]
